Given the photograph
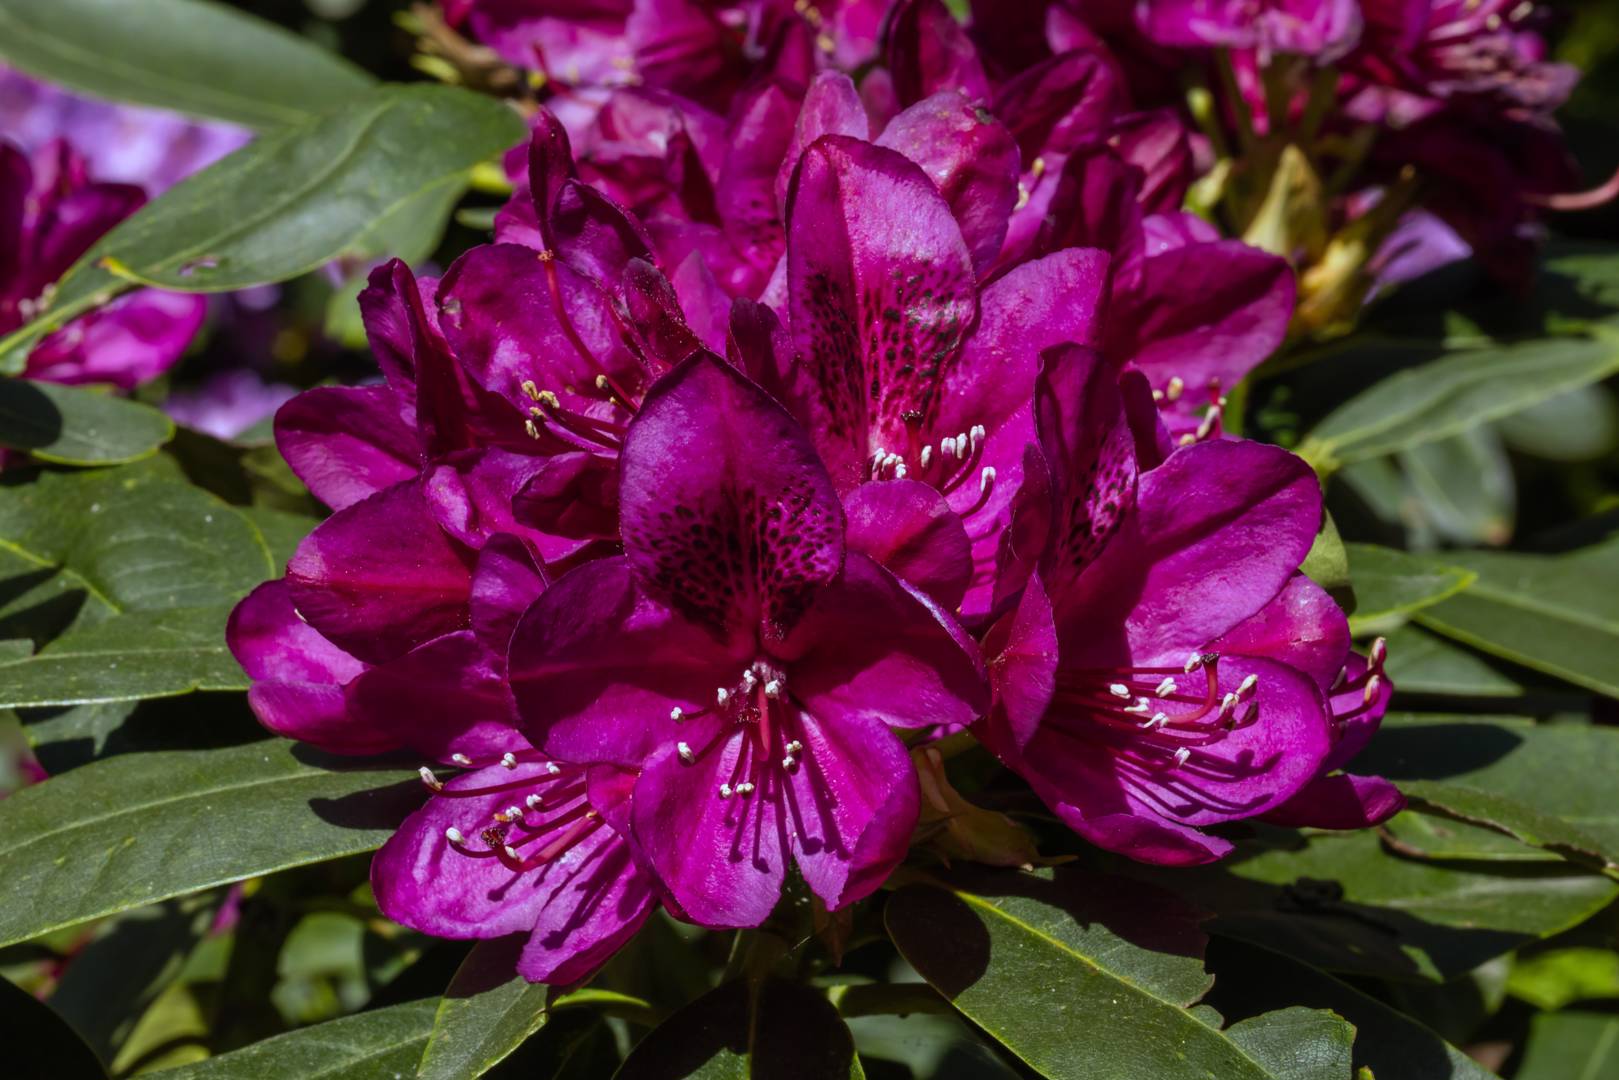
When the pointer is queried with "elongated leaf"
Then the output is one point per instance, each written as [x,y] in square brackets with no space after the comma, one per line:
[192,56]
[1390,584]
[789,1033]
[1082,976]
[1461,489]
[1557,978]
[380,1045]
[1435,836]
[39,1042]
[1449,396]
[1546,785]
[487,1012]
[1556,614]
[1424,663]
[1343,902]
[1572,1046]
[334,185]
[1394,1046]
[138,828]
[69,426]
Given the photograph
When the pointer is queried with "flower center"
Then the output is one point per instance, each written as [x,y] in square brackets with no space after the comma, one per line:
[548,814]
[771,729]
[947,465]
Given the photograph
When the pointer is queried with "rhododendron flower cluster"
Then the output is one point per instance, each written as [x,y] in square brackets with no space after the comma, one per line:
[666,579]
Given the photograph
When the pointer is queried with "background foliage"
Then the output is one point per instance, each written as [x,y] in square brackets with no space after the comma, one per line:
[187,894]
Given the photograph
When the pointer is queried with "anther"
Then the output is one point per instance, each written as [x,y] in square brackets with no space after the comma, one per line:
[1187,440]
[1141,706]
[947,446]
[773,688]
[986,479]
[927,457]
[531,390]
[1175,388]
[722,697]
[553,768]
[548,399]
[511,853]
[1228,705]
[433,783]
[453,835]
[533,802]
[725,791]
[1211,419]
[533,432]
[1157,719]
[1166,687]
[677,714]
[978,435]
[1374,686]
[789,763]
[745,788]
[900,471]
[1379,653]
[508,760]
[1118,689]
[684,750]
[460,759]
[794,747]
[1182,756]
[1246,689]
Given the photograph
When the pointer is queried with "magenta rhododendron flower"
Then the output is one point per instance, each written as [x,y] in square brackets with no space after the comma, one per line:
[1114,698]
[51,212]
[1324,29]
[728,656]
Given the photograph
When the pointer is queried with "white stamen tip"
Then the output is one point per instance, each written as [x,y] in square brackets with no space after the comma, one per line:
[1380,652]
[986,479]
[899,471]
[511,853]
[509,760]
[429,779]
[745,788]
[1182,756]
[749,681]
[722,697]
[947,446]
[1166,687]
[677,714]
[684,750]
[794,747]
[789,763]
[1175,388]
[553,768]
[1157,719]
[1118,689]
[1228,704]
[927,456]
[514,813]
[1248,686]
[1197,660]
[1374,686]
[1158,395]
[531,390]
[534,802]
[978,436]
[725,791]
[773,688]
[460,759]
[1187,440]
[1142,705]
[453,835]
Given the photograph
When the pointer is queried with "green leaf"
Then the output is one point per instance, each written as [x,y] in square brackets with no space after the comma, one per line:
[1549,785]
[1559,977]
[1390,584]
[1462,489]
[1571,1046]
[1392,1045]
[1297,1043]
[1423,663]
[384,1044]
[39,1042]
[487,1012]
[1556,614]
[282,532]
[342,184]
[1432,836]
[193,57]
[1327,564]
[1081,976]
[69,426]
[1343,903]
[1451,395]
[789,1032]
[1581,425]
[139,828]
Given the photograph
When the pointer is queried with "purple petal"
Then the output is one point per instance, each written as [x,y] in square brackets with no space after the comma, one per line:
[505,583]
[131,341]
[929,51]
[1061,103]
[1303,628]
[919,669]
[1218,529]
[1340,801]
[832,106]
[1022,652]
[724,504]
[881,294]
[1158,144]
[346,443]
[970,157]
[598,663]
[760,135]
[390,326]
[470,495]
[570,502]
[379,577]
[907,527]
[445,697]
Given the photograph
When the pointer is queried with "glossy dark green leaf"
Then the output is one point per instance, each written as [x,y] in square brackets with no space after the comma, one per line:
[1344,902]
[1581,425]
[384,1044]
[1251,979]
[1549,785]
[138,828]
[69,426]
[1557,978]
[1327,564]
[192,56]
[337,185]
[1461,490]
[1421,662]
[1558,614]
[38,1042]
[487,1012]
[1082,976]
[1432,836]
[790,1032]
[1390,584]
[1571,1046]
[1451,395]
[282,532]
